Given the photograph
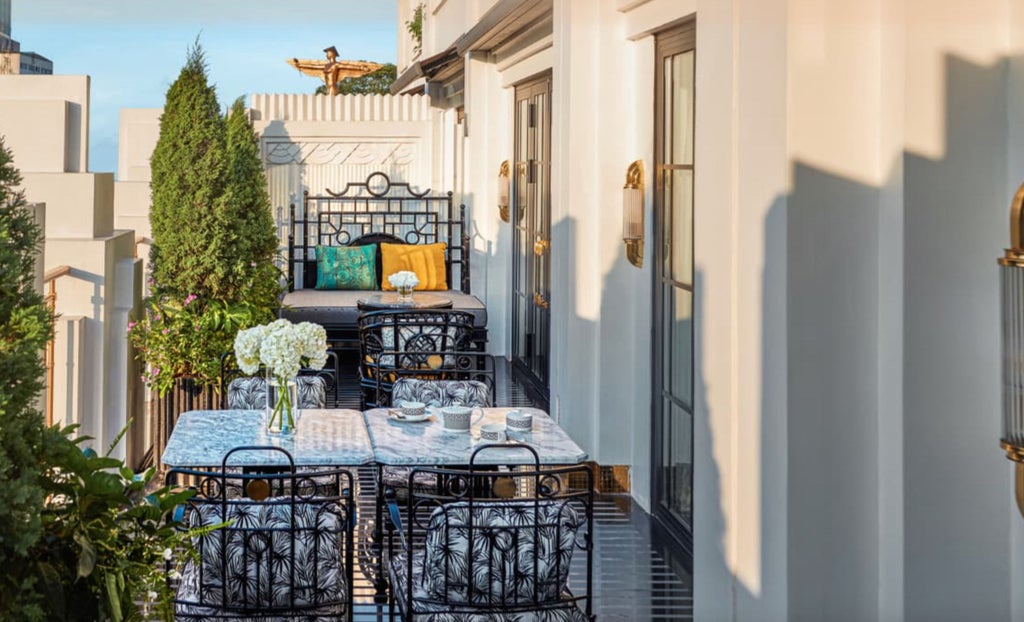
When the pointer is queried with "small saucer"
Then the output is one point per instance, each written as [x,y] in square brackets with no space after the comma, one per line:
[398,416]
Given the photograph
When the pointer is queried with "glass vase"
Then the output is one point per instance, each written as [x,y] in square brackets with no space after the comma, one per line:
[404,294]
[282,410]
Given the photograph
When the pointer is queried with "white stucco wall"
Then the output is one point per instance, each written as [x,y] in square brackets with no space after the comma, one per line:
[854,165]
[958,514]
[46,120]
[68,92]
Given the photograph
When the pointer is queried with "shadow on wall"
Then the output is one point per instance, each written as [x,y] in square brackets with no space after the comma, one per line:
[942,531]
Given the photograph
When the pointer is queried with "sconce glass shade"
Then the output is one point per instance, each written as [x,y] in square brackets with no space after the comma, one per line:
[1011,269]
[503,191]
[632,213]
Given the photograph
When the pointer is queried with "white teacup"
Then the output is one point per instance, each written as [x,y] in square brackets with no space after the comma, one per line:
[494,432]
[413,409]
[518,421]
[459,418]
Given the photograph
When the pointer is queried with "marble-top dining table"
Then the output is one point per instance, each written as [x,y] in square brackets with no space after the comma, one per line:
[323,437]
[406,443]
[345,437]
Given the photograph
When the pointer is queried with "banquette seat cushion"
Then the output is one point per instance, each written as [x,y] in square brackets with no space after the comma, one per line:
[338,307]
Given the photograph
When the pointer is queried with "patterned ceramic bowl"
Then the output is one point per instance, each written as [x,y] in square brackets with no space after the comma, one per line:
[518,421]
[494,432]
[413,409]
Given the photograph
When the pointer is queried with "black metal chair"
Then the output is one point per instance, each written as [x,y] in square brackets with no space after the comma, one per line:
[318,388]
[493,545]
[262,555]
[418,341]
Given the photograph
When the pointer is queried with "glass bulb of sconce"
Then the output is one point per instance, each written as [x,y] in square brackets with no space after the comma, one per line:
[632,214]
[503,190]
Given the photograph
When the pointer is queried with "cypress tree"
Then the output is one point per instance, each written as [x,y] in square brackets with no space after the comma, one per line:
[214,237]
[250,240]
[25,327]
[189,174]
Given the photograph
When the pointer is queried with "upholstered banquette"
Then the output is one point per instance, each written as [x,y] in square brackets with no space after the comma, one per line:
[342,246]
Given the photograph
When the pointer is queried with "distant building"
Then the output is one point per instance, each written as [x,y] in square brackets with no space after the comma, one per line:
[30,63]
[7,44]
[5,18]
[12,59]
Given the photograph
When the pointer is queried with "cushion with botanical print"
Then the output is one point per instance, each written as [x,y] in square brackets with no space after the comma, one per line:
[508,537]
[259,544]
[346,267]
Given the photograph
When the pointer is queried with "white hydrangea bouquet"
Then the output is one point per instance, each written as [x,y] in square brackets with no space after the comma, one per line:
[404,282]
[282,348]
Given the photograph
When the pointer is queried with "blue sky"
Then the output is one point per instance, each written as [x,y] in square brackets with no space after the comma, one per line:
[134,49]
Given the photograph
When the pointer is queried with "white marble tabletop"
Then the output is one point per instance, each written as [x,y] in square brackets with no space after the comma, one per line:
[427,442]
[323,437]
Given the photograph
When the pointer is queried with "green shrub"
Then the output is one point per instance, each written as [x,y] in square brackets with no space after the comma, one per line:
[415,27]
[212,258]
[25,327]
[189,174]
[375,82]
[107,537]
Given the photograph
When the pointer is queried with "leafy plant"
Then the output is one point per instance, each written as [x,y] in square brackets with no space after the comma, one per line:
[375,82]
[25,327]
[415,27]
[186,338]
[212,259]
[107,536]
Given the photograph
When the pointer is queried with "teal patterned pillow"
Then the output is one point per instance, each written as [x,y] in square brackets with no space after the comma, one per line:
[346,267]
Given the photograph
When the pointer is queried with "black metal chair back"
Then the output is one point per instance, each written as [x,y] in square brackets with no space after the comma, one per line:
[270,543]
[485,542]
[416,340]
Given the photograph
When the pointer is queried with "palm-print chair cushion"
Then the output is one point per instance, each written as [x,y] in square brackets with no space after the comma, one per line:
[259,549]
[434,393]
[250,393]
[506,535]
[439,393]
[427,609]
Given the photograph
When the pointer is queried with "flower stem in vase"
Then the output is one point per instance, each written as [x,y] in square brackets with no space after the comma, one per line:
[282,414]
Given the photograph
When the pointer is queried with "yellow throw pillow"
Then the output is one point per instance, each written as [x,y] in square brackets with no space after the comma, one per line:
[426,260]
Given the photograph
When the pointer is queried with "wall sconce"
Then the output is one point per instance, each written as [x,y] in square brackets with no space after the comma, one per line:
[633,213]
[503,190]
[1011,279]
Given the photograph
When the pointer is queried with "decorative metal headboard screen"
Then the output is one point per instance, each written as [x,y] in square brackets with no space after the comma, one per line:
[372,211]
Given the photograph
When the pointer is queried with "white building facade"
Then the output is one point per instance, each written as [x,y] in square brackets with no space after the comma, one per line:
[852,165]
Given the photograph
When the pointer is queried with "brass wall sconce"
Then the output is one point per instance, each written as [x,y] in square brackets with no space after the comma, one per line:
[633,213]
[503,190]
[1011,285]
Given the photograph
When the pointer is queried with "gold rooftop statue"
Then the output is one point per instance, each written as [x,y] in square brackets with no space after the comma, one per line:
[332,70]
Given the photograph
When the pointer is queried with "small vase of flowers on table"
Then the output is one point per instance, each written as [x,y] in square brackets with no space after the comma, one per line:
[281,348]
[404,282]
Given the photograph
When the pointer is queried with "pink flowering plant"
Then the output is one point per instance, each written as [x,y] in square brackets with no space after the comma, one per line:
[186,337]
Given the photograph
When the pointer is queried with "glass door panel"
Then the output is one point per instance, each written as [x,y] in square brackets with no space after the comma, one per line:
[531,273]
[673,280]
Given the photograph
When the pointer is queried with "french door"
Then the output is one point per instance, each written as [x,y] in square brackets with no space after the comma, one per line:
[531,234]
[672,450]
